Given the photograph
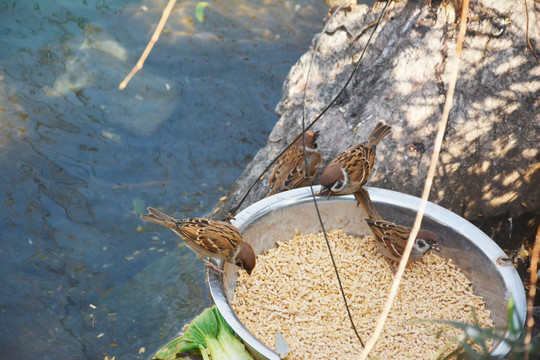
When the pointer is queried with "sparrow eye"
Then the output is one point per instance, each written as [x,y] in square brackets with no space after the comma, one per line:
[337,185]
[423,245]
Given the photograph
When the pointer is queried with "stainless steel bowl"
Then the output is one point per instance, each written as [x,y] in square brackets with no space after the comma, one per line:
[276,218]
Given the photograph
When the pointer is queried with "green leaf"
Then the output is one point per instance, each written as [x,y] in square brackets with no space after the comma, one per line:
[230,343]
[199,11]
[208,335]
[174,347]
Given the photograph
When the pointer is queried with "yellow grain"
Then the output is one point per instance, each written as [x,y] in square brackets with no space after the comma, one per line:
[293,289]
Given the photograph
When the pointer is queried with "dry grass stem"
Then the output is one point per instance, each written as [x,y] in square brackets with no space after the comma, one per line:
[532,292]
[151,43]
[454,66]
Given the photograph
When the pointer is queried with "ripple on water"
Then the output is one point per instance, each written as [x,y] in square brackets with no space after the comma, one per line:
[79,159]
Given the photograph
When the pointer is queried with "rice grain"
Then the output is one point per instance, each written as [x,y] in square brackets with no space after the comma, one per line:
[294,290]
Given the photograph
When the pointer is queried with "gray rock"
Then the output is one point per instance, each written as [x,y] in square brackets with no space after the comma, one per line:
[490,161]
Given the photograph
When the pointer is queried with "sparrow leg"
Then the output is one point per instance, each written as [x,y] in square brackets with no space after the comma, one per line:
[505,261]
[230,217]
[212,265]
[357,197]
[391,266]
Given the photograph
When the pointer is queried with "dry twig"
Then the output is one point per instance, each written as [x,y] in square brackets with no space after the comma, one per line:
[143,184]
[151,43]
[527,34]
[427,187]
[532,293]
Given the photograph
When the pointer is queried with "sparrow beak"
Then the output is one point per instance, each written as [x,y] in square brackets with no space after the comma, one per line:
[322,192]
[325,191]
[436,247]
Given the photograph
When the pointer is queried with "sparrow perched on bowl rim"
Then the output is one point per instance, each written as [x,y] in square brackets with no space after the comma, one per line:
[290,171]
[350,170]
[211,238]
[392,238]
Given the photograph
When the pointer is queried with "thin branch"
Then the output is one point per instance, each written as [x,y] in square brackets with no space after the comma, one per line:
[532,293]
[427,187]
[527,34]
[151,43]
[143,184]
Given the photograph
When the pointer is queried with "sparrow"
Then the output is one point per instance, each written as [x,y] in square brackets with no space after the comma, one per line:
[348,172]
[210,238]
[392,238]
[290,171]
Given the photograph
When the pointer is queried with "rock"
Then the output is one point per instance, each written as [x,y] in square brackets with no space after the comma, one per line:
[490,161]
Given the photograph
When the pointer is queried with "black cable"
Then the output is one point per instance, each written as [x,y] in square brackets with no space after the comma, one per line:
[306,164]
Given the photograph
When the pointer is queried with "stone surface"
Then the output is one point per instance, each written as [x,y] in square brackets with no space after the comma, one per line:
[490,160]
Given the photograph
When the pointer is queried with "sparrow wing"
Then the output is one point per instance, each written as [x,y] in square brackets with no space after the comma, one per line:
[391,237]
[274,175]
[217,239]
[290,172]
[357,161]
[211,238]
[314,160]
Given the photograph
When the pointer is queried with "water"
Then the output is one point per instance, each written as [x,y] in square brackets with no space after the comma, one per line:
[81,276]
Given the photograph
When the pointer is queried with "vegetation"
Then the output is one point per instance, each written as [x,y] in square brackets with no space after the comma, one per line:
[207,335]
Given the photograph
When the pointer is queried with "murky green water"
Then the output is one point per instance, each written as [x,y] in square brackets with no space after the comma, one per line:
[79,160]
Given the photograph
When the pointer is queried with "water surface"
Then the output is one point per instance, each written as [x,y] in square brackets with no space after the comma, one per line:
[80,160]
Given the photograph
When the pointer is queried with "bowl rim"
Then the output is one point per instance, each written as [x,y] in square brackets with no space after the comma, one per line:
[261,208]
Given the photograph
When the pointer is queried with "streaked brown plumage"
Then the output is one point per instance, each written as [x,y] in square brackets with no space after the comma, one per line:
[290,172]
[349,171]
[210,238]
[392,238]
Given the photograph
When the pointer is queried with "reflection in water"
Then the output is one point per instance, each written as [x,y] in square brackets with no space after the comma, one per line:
[82,277]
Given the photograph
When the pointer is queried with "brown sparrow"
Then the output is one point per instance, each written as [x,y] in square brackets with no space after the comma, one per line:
[348,172]
[290,171]
[392,238]
[211,238]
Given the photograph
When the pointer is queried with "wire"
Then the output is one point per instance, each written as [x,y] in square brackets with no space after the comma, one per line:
[306,164]
[357,66]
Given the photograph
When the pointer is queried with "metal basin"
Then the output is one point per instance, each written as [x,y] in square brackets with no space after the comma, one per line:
[276,218]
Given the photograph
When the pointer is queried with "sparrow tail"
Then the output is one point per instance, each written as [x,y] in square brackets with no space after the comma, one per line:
[363,199]
[160,218]
[380,131]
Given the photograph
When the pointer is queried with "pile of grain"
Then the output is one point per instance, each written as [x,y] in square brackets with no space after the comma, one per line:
[294,289]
